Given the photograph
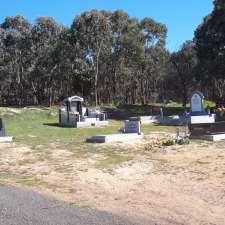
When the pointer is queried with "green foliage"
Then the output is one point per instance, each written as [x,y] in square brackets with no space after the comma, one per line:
[183,64]
[209,39]
[106,56]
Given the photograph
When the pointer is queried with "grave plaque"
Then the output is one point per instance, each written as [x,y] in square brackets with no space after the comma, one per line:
[132,127]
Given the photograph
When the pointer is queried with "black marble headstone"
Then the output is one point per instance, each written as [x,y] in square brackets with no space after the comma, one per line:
[2,128]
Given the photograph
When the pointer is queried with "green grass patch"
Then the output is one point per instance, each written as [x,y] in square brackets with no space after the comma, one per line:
[40,127]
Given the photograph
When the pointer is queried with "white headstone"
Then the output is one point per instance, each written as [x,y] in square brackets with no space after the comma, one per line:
[196,102]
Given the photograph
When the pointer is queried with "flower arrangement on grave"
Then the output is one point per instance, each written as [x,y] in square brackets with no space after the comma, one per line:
[160,143]
[180,139]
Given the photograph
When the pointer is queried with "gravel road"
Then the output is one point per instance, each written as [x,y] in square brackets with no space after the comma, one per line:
[25,207]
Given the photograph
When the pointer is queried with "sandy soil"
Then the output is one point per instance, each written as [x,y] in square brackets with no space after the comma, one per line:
[174,185]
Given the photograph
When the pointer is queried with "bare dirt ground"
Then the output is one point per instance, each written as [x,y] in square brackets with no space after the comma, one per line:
[171,185]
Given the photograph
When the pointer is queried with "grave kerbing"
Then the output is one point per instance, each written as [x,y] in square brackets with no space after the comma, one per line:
[131,133]
[203,125]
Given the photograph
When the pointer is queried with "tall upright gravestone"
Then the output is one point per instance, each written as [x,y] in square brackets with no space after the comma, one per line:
[198,114]
[197,104]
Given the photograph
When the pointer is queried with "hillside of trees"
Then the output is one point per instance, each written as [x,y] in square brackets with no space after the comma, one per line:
[109,57]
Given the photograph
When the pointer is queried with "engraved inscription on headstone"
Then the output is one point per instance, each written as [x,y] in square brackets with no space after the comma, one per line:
[132,127]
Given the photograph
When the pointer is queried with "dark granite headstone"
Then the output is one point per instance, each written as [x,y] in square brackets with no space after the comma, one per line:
[2,128]
[132,127]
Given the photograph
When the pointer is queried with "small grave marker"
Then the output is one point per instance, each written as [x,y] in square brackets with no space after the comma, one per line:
[2,128]
[132,127]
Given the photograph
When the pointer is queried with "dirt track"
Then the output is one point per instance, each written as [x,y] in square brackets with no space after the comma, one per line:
[179,185]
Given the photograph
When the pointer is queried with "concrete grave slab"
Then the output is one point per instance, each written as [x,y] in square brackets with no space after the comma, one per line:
[203,119]
[92,123]
[146,119]
[132,133]
[210,137]
[6,139]
[131,137]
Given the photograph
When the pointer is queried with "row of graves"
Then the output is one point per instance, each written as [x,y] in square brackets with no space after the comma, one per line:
[73,114]
[201,123]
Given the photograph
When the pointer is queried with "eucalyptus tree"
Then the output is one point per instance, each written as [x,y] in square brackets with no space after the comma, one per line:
[92,31]
[17,50]
[155,59]
[74,66]
[3,68]
[184,64]
[127,50]
[210,42]
[108,56]
[45,36]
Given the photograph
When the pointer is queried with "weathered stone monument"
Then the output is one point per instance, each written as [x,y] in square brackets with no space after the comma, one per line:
[3,137]
[131,133]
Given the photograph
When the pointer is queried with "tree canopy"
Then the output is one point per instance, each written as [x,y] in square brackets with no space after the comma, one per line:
[107,57]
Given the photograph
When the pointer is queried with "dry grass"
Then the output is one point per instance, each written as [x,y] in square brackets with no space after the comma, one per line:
[166,185]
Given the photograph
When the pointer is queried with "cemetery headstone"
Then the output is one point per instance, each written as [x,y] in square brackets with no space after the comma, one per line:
[161,113]
[2,128]
[196,103]
[132,127]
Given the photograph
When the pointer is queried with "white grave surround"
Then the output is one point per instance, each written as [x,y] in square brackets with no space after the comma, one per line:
[210,137]
[132,133]
[146,119]
[203,119]
[88,123]
[92,123]
[6,139]
[131,138]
